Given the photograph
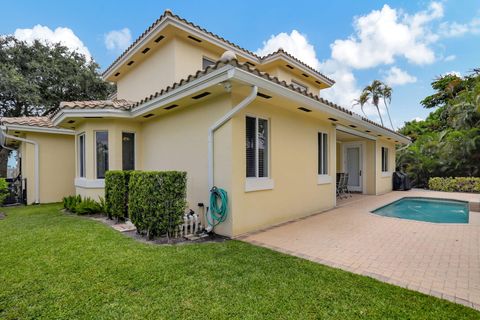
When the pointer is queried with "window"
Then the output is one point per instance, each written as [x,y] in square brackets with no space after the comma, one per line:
[207,62]
[322,153]
[81,155]
[128,151]
[298,85]
[257,147]
[384,159]
[101,144]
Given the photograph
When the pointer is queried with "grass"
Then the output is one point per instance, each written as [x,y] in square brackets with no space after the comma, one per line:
[58,266]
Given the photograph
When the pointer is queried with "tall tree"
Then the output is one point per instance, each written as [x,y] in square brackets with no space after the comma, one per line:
[374,92]
[35,78]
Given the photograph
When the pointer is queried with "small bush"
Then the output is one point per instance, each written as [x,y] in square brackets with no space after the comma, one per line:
[116,193]
[157,201]
[457,184]
[75,204]
[3,190]
[87,206]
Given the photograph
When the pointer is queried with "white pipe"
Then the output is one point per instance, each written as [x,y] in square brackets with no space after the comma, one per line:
[36,166]
[217,125]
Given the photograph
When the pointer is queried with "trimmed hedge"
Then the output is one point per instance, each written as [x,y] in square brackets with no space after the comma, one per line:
[458,184]
[157,201]
[116,193]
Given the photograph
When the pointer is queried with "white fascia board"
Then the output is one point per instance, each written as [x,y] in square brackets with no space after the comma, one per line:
[355,132]
[299,66]
[185,27]
[23,128]
[202,83]
[252,79]
[82,113]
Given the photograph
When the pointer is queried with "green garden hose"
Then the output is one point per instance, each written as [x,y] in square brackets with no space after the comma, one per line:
[218,214]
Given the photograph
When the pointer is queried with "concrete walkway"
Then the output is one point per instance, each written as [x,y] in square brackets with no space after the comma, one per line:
[442,260]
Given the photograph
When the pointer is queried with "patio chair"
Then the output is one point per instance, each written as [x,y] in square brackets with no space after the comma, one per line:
[345,191]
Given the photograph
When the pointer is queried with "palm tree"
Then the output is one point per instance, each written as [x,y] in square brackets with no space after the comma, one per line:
[375,91]
[387,96]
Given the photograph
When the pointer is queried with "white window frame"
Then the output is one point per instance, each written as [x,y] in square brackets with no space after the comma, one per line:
[384,162]
[297,84]
[260,183]
[323,178]
[79,156]
[95,150]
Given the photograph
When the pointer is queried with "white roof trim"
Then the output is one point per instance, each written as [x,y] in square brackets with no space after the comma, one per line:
[25,128]
[82,113]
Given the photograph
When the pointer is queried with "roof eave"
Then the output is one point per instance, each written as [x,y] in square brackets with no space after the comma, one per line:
[39,129]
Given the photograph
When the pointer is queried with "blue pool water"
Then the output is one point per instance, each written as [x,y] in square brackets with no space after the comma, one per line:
[426,209]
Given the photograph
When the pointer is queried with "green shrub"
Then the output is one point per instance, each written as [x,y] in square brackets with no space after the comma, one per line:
[87,206]
[116,193]
[457,184]
[3,190]
[75,204]
[70,203]
[157,201]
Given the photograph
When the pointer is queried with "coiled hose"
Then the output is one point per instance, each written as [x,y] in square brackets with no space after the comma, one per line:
[218,214]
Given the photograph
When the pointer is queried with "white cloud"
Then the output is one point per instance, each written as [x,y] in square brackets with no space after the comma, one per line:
[417,119]
[62,35]
[450,58]
[382,35]
[294,43]
[453,73]
[397,77]
[455,29]
[118,40]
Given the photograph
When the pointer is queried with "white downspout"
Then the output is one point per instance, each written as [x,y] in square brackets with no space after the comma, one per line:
[36,170]
[220,122]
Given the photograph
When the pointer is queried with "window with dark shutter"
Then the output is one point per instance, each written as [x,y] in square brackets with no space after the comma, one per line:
[257,144]
[322,153]
[128,151]
[101,144]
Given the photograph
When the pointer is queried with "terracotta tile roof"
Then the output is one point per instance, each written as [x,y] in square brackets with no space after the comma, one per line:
[119,104]
[281,51]
[44,122]
[248,68]
[168,13]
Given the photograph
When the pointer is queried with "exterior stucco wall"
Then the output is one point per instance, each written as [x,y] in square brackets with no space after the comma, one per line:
[149,75]
[384,180]
[56,166]
[179,141]
[293,167]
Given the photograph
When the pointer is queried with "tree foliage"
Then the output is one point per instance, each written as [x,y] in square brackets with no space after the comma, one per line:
[447,143]
[34,78]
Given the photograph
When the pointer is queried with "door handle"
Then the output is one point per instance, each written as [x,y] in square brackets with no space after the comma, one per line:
[360,174]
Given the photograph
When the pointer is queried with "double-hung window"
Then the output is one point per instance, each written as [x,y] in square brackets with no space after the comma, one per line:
[257,147]
[207,62]
[101,146]
[384,159]
[81,155]
[322,153]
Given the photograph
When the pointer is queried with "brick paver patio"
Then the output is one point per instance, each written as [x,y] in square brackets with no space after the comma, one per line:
[437,259]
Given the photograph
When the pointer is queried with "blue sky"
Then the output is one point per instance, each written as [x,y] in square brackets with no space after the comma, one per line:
[406,43]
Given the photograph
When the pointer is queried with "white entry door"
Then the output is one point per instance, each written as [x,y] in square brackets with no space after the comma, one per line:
[352,155]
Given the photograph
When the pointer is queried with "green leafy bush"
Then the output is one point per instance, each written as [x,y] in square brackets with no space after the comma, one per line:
[75,204]
[88,206]
[116,193]
[3,190]
[458,184]
[157,201]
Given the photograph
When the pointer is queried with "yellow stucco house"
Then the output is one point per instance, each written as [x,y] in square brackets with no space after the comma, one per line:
[190,100]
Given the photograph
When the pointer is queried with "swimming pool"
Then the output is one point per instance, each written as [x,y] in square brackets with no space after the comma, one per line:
[426,209]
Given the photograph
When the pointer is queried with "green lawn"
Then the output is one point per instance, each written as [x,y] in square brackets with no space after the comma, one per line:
[65,267]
